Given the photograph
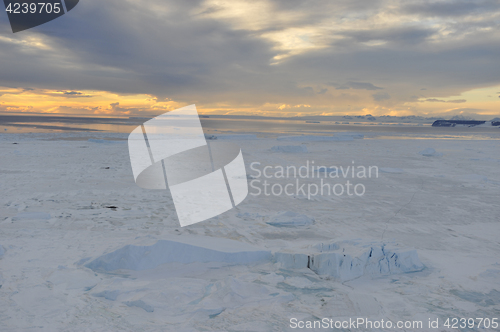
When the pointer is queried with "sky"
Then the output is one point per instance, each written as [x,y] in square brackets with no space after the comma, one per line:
[260,57]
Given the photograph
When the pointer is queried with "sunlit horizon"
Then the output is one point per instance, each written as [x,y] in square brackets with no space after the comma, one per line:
[481,104]
[265,58]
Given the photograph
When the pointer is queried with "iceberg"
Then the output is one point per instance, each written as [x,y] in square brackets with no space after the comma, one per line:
[353,261]
[190,250]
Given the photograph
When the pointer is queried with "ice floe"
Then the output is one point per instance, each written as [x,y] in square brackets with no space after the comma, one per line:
[108,295]
[140,304]
[430,152]
[289,148]
[290,219]
[391,170]
[195,249]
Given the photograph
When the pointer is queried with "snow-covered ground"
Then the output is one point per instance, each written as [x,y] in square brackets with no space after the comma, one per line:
[82,248]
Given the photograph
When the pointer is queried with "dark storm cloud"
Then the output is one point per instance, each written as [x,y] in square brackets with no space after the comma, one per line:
[400,35]
[454,65]
[451,8]
[305,13]
[327,6]
[119,47]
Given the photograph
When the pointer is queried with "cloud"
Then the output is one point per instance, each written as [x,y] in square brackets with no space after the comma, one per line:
[449,8]
[343,87]
[379,96]
[434,100]
[356,86]
[473,113]
[240,55]
[75,110]
[75,94]
[398,35]
[363,86]
[115,109]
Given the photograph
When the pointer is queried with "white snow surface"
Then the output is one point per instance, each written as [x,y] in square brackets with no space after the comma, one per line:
[432,231]
[32,216]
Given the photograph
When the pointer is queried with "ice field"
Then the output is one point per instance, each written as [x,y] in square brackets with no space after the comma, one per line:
[82,248]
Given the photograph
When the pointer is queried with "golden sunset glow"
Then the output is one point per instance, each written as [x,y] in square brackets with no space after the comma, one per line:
[484,101]
[269,58]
